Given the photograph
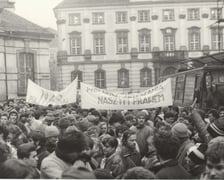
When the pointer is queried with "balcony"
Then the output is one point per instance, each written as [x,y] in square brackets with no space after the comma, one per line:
[169,55]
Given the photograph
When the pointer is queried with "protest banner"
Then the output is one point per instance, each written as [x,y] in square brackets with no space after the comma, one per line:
[157,96]
[41,96]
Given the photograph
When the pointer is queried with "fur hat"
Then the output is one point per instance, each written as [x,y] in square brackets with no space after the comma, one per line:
[216,128]
[51,131]
[180,130]
[197,153]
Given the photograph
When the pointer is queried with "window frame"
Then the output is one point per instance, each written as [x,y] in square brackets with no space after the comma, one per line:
[215,42]
[193,14]
[101,79]
[122,42]
[77,48]
[147,34]
[148,72]
[171,17]
[218,12]
[96,18]
[145,17]
[121,17]
[101,47]
[123,75]
[72,20]
[194,34]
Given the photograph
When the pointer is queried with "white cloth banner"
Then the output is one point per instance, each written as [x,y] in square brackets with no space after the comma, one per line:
[41,96]
[157,96]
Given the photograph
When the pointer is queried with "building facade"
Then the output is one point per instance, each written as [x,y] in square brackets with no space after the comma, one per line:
[126,45]
[24,54]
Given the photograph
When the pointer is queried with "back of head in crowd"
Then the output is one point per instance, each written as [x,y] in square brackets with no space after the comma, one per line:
[16,169]
[138,173]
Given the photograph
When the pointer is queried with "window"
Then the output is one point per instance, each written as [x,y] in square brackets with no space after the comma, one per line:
[144,40]
[146,77]
[168,15]
[76,73]
[100,78]
[169,39]
[74,19]
[122,42]
[193,14]
[98,18]
[143,16]
[217,38]
[99,42]
[123,78]
[180,83]
[25,71]
[216,13]
[194,38]
[121,17]
[75,43]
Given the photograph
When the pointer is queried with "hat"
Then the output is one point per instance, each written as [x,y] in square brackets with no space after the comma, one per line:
[51,131]
[13,111]
[84,124]
[216,128]
[140,113]
[197,153]
[71,142]
[91,118]
[77,173]
[180,130]
[64,122]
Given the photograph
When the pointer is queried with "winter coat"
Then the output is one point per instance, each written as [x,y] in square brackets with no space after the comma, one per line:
[52,167]
[171,170]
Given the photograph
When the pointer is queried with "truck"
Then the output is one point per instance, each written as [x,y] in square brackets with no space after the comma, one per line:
[202,86]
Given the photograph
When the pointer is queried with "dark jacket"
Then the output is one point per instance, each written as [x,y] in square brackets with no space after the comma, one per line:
[131,158]
[171,170]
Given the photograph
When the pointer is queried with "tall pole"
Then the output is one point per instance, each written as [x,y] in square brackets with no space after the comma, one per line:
[6,72]
[218,19]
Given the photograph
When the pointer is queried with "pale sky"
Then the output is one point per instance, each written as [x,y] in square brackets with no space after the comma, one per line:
[38,11]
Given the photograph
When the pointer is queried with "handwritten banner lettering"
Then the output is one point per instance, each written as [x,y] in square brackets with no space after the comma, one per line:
[40,96]
[157,96]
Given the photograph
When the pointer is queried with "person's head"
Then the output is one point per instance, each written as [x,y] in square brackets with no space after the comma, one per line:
[103,127]
[129,118]
[215,159]
[70,145]
[27,152]
[4,119]
[180,131]
[11,103]
[216,128]
[52,135]
[38,138]
[129,139]
[170,117]
[138,173]
[141,118]
[221,111]
[4,132]
[16,169]
[213,114]
[102,174]
[30,115]
[109,144]
[4,152]
[13,116]
[167,145]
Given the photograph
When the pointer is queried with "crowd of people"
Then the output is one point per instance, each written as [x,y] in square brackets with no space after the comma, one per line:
[66,141]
